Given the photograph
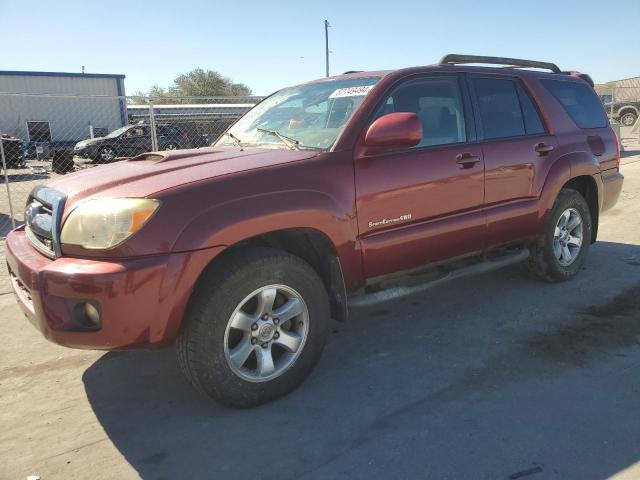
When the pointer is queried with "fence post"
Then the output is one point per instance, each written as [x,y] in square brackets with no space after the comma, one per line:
[152,127]
[6,182]
[613,99]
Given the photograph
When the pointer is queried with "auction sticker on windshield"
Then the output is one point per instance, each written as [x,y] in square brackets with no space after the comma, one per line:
[351,91]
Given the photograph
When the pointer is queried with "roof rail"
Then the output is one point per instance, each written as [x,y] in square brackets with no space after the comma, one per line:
[348,72]
[452,59]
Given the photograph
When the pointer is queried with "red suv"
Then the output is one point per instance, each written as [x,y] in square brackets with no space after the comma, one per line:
[323,195]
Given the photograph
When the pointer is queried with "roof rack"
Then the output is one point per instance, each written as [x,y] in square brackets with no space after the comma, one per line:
[349,72]
[452,59]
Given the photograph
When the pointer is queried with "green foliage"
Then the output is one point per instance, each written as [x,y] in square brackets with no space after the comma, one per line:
[196,83]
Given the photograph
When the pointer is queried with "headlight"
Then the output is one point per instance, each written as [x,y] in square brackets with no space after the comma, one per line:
[106,222]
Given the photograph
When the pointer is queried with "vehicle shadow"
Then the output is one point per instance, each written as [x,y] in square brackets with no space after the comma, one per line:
[495,376]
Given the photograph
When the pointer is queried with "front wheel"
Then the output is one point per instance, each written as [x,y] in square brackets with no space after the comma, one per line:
[561,249]
[255,327]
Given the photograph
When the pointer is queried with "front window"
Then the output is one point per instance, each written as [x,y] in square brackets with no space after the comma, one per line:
[118,132]
[311,115]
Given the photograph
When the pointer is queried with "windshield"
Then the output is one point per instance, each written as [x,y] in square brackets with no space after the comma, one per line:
[118,132]
[311,115]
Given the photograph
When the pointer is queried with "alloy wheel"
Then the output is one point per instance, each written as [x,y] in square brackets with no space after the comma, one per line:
[107,154]
[266,333]
[628,120]
[568,237]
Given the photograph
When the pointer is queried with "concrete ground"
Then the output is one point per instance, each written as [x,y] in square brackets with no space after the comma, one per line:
[493,377]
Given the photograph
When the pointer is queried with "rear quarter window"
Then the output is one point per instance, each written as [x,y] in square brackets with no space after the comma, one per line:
[579,101]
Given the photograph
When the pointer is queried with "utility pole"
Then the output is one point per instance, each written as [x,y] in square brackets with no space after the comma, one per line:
[326,44]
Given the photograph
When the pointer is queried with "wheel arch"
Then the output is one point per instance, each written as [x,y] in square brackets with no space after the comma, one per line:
[586,186]
[578,171]
[628,108]
[309,244]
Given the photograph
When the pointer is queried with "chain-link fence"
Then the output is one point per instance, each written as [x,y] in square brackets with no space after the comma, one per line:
[45,135]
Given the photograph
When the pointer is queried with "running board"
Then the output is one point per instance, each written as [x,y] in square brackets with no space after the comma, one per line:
[368,299]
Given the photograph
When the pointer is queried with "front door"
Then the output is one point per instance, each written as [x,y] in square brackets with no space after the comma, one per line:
[423,204]
[135,141]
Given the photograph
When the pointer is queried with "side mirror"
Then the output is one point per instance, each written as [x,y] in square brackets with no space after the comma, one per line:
[394,130]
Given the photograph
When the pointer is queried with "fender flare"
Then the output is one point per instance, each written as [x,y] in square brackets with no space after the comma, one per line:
[567,167]
[627,107]
[229,223]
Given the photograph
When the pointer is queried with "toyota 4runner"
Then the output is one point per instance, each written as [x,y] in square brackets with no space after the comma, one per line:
[321,196]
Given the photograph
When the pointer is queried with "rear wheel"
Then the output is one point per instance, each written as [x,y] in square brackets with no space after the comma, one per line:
[561,250]
[255,327]
[628,119]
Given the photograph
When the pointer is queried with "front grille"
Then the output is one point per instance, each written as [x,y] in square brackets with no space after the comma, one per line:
[42,216]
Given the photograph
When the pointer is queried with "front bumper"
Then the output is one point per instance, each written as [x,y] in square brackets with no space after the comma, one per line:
[141,300]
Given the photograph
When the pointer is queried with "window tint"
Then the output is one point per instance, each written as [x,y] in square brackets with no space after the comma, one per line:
[532,122]
[580,102]
[499,107]
[438,104]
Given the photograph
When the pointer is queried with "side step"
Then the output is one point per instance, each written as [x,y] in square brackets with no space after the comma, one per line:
[368,299]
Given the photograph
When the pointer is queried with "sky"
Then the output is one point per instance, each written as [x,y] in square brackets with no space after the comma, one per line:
[271,44]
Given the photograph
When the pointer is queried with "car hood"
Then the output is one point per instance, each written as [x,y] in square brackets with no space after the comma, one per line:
[89,141]
[150,173]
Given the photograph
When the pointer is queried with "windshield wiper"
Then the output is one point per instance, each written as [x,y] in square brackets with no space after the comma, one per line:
[292,143]
[235,140]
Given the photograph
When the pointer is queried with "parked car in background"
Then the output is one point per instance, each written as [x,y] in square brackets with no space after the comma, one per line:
[130,141]
[625,112]
[325,195]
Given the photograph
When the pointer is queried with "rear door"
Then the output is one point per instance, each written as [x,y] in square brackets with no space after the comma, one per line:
[423,204]
[517,151]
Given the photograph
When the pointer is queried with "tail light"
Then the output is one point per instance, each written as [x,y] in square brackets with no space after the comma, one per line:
[615,137]
[183,135]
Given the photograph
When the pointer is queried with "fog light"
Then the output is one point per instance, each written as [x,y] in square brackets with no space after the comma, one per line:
[86,316]
[92,314]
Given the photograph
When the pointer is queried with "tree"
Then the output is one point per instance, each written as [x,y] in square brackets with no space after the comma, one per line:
[196,83]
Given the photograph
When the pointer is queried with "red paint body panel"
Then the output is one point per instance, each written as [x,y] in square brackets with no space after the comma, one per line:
[440,198]
[383,211]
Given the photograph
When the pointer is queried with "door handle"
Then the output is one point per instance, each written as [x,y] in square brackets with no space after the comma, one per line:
[466,160]
[542,148]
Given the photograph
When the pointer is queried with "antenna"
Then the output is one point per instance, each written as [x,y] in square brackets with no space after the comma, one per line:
[326,44]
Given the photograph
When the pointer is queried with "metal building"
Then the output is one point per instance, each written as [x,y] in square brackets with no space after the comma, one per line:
[55,107]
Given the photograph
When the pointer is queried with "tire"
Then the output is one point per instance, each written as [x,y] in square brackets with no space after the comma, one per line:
[628,119]
[204,347]
[106,155]
[62,162]
[543,259]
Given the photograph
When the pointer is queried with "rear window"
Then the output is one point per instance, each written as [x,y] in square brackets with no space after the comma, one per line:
[580,102]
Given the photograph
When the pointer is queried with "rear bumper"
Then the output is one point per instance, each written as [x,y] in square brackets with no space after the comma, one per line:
[141,300]
[611,188]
